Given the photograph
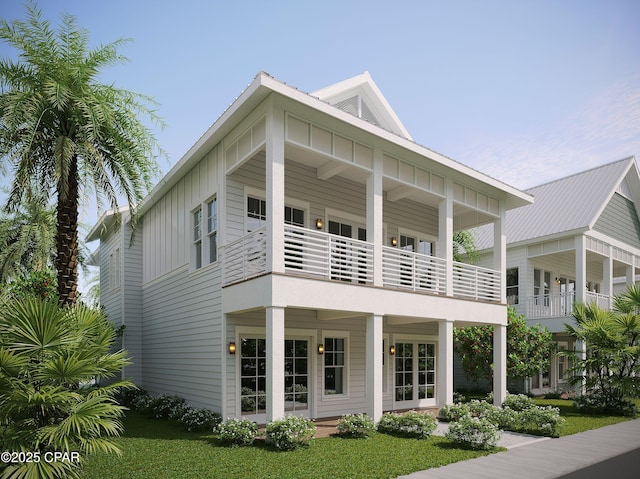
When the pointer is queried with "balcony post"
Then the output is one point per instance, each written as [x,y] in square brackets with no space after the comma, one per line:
[275,190]
[581,268]
[445,236]
[500,251]
[374,215]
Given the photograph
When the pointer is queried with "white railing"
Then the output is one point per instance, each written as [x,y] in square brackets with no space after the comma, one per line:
[412,271]
[327,256]
[561,305]
[246,257]
[476,283]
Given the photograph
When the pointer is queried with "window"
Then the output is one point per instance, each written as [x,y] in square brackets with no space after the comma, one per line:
[253,375]
[334,366]
[541,289]
[114,269]
[417,245]
[212,229]
[562,360]
[293,216]
[512,286]
[197,237]
[256,213]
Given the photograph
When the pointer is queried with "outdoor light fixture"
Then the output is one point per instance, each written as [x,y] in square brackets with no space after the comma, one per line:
[232,348]
[320,348]
[319,223]
[394,241]
[392,350]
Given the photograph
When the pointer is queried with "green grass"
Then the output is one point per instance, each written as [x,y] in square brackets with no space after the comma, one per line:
[159,449]
[577,422]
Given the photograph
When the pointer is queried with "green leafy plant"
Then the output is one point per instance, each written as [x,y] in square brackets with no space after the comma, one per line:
[453,412]
[237,432]
[518,402]
[53,361]
[545,420]
[409,424]
[356,426]
[474,432]
[202,419]
[290,432]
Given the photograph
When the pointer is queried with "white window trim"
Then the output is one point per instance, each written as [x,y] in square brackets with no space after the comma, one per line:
[347,387]
[208,233]
[250,191]
[420,237]
[193,267]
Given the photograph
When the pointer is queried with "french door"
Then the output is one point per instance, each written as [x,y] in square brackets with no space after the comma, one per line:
[415,374]
[346,265]
[253,376]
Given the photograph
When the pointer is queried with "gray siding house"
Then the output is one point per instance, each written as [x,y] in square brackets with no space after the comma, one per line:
[298,260]
[578,241]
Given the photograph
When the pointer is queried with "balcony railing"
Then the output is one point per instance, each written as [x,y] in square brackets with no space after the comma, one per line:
[326,256]
[561,305]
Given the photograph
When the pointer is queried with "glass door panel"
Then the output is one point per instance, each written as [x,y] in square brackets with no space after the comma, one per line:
[415,373]
[296,375]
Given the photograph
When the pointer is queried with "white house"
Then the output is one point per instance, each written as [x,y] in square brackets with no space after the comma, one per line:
[579,241]
[298,260]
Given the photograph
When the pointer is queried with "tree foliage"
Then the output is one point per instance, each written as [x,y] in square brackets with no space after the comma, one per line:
[66,135]
[529,349]
[610,368]
[52,360]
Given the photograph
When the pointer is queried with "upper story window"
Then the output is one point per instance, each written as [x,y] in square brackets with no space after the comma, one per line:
[512,286]
[197,237]
[417,244]
[256,213]
[212,229]
[114,269]
[293,216]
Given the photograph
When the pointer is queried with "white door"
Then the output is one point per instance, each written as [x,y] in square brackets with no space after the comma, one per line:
[415,374]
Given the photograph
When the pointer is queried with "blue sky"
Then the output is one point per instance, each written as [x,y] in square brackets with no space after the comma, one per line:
[525,91]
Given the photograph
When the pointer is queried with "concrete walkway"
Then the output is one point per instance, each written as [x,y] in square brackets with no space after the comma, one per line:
[548,459]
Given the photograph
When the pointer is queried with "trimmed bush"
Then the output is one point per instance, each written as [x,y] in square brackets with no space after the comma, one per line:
[127,396]
[474,432]
[290,433]
[162,407]
[480,408]
[546,420]
[505,418]
[356,426]
[453,412]
[193,419]
[237,432]
[409,424]
[518,402]
[597,403]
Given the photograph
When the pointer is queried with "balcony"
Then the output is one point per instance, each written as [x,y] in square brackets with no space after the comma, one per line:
[561,305]
[316,254]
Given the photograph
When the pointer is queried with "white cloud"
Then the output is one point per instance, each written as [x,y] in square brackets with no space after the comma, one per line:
[605,130]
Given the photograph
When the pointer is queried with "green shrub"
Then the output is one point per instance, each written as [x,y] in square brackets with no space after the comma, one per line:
[237,432]
[596,403]
[163,406]
[453,412]
[356,425]
[504,418]
[193,419]
[458,397]
[518,402]
[409,424]
[290,432]
[480,408]
[127,396]
[545,420]
[474,432]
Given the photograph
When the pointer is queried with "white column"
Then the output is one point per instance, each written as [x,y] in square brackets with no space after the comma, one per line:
[444,383]
[500,251]
[499,364]
[607,274]
[630,276]
[274,164]
[445,235]
[581,350]
[374,215]
[275,362]
[581,268]
[374,366]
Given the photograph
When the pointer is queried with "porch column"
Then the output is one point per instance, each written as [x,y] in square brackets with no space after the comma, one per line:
[275,362]
[445,235]
[500,251]
[445,363]
[499,364]
[630,276]
[581,268]
[374,366]
[274,164]
[581,351]
[607,274]
[374,215]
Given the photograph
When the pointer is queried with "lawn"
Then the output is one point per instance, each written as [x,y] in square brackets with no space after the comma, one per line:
[159,449]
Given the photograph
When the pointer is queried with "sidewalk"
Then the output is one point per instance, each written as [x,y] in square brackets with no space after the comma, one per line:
[546,459]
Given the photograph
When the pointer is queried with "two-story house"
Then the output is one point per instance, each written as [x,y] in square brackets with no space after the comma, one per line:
[578,241]
[298,260]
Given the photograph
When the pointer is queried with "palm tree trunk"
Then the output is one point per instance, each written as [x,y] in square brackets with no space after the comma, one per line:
[67,238]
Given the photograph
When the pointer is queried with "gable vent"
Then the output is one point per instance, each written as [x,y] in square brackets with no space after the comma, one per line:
[356,106]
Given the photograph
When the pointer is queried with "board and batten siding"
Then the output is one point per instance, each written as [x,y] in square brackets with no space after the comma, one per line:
[619,220]
[110,297]
[132,301]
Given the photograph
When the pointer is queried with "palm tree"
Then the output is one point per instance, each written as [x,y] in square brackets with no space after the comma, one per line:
[464,244]
[65,134]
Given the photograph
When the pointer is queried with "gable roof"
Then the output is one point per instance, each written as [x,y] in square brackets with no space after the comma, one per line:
[572,203]
[361,97]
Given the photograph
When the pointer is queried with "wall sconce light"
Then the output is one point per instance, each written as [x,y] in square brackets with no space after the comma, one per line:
[394,241]
[320,348]
[319,223]
[232,348]
[557,280]
[392,350]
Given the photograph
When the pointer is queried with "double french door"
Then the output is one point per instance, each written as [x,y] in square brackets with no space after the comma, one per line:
[414,374]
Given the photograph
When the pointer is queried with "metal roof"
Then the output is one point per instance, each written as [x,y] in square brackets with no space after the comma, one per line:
[568,204]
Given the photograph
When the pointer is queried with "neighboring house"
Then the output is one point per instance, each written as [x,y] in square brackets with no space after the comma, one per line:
[579,241]
[298,260]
